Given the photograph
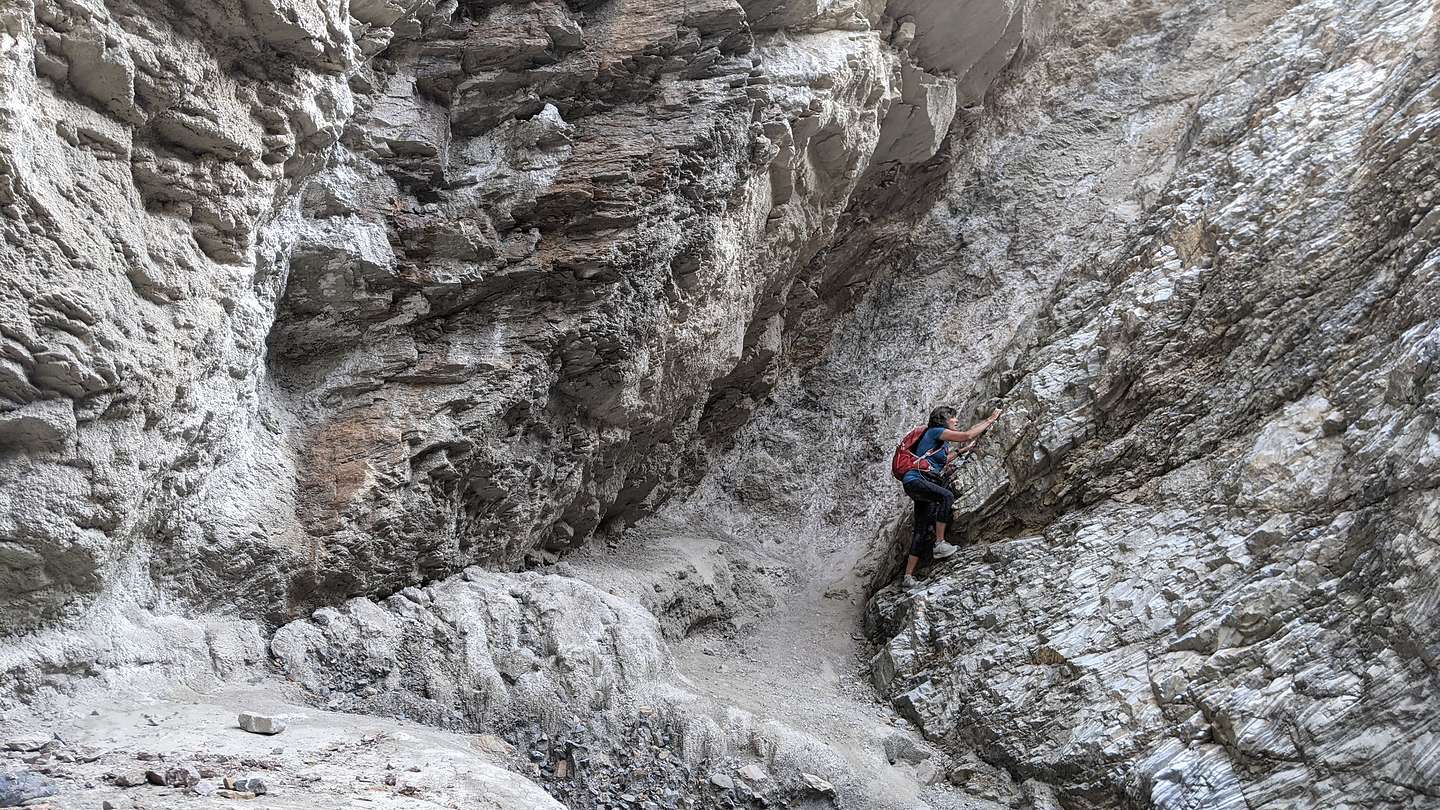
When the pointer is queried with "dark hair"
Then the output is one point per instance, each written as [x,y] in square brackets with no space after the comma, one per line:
[940,417]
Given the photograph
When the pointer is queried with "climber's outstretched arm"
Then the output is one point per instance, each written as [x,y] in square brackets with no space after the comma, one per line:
[974,432]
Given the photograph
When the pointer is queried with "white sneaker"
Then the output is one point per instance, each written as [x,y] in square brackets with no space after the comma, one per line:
[909,583]
[943,550]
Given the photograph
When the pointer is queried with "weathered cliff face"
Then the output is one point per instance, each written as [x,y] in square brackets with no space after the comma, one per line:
[304,300]
[1210,574]
[312,303]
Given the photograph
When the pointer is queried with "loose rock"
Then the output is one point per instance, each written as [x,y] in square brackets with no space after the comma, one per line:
[129,778]
[817,784]
[19,787]
[261,723]
[177,776]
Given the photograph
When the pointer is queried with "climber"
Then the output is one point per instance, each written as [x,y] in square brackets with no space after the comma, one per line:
[924,484]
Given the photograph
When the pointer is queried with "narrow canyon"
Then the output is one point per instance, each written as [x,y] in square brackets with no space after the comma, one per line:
[500,395]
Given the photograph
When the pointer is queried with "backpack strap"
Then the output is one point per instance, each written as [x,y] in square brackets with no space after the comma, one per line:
[937,448]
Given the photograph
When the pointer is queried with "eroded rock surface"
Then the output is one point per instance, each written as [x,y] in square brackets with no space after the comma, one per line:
[1212,512]
[304,301]
[326,760]
[581,684]
[476,651]
[316,305]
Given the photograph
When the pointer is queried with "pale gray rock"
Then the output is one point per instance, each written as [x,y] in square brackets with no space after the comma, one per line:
[256,723]
[753,773]
[1207,494]
[27,743]
[18,787]
[817,784]
[489,648]
[324,763]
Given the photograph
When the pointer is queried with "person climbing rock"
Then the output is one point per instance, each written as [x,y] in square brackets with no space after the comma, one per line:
[925,485]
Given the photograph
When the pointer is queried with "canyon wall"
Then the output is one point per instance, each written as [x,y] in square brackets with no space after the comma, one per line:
[311,306]
[1192,251]
[305,300]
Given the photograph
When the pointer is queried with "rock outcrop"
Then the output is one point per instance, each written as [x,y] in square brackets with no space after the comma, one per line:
[310,300]
[1209,570]
[325,316]
[477,651]
[579,681]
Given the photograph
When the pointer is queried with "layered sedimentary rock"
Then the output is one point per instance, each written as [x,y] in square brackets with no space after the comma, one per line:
[310,299]
[310,303]
[477,651]
[582,683]
[1210,574]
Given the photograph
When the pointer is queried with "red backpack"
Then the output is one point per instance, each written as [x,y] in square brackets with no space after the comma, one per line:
[904,460]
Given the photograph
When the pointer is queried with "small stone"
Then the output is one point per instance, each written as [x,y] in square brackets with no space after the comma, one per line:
[928,774]
[753,773]
[26,744]
[722,781]
[234,794]
[107,805]
[900,748]
[817,784]
[261,723]
[491,744]
[904,35]
[178,776]
[250,784]
[129,779]
[205,787]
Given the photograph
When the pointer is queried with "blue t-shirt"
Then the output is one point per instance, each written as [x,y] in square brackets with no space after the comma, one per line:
[928,442]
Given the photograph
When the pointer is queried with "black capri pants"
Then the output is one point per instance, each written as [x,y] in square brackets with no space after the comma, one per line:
[933,504]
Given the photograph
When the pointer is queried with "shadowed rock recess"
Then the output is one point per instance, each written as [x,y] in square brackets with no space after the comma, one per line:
[321,321]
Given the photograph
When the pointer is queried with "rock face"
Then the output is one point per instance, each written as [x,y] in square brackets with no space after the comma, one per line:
[475,651]
[1210,571]
[304,301]
[336,309]
[580,685]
